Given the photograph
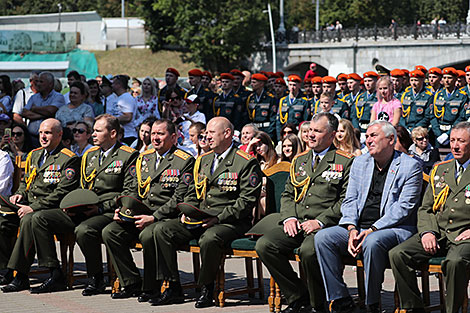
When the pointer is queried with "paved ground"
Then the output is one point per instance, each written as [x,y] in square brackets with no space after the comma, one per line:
[73,301]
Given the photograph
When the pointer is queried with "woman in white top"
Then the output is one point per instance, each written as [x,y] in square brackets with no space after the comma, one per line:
[147,102]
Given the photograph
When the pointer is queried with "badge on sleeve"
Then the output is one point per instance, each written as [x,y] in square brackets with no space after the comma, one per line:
[254,179]
[132,171]
[187,178]
[69,173]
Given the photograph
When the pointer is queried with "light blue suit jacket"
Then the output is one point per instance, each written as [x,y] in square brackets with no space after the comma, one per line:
[400,197]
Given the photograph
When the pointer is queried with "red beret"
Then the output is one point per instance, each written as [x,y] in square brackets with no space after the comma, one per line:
[227,76]
[417,73]
[461,73]
[317,80]
[435,70]
[195,72]
[329,80]
[207,73]
[450,71]
[362,81]
[354,76]
[294,78]
[371,74]
[236,72]
[421,68]
[342,76]
[307,81]
[280,74]
[407,73]
[271,75]
[280,81]
[259,76]
[467,69]
[173,71]
[397,73]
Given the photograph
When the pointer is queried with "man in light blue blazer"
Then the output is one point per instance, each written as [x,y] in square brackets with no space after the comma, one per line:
[378,213]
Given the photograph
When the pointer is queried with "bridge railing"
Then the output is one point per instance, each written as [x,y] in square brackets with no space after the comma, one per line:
[412,32]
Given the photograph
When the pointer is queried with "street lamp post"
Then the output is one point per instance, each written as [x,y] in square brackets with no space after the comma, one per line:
[123,13]
[273,40]
[59,5]
[282,29]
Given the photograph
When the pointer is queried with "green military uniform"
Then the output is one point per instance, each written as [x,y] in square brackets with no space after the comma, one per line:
[229,106]
[8,231]
[447,111]
[350,100]
[261,111]
[361,110]
[341,108]
[446,222]
[231,191]
[45,183]
[244,94]
[310,194]
[162,93]
[205,95]
[114,176]
[292,111]
[416,108]
[160,189]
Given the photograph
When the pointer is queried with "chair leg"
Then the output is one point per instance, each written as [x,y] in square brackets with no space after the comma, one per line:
[259,269]
[196,269]
[249,277]
[272,294]
[425,287]
[277,299]
[220,284]
[396,298]
[70,278]
[442,292]
[361,289]
[465,302]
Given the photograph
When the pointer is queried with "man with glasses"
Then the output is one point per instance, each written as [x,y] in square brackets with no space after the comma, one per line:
[171,79]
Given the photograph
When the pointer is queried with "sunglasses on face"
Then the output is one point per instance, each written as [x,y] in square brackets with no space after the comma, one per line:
[287,132]
[202,137]
[17,134]
[78,130]
[174,99]
[421,138]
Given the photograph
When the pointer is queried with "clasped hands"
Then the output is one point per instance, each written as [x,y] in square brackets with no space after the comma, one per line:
[292,227]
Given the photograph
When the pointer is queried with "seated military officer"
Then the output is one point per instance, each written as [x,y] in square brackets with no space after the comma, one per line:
[226,187]
[107,169]
[311,201]
[443,229]
[163,176]
[378,212]
[51,172]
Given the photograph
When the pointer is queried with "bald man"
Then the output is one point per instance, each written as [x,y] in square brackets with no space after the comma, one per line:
[52,171]
[226,186]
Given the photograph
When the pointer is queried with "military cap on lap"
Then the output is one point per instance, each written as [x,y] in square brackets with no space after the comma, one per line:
[6,207]
[131,207]
[79,200]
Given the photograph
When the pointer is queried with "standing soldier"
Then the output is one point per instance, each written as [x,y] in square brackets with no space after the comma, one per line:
[171,79]
[51,173]
[343,86]
[280,89]
[292,108]
[340,107]
[397,77]
[360,111]
[228,104]
[448,107]
[261,105]
[243,93]
[406,78]
[163,176]
[308,89]
[203,93]
[271,79]
[226,187]
[108,170]
[317,90]
[206,79]
[434,79]
[354,85]
[416,103]
[460,83]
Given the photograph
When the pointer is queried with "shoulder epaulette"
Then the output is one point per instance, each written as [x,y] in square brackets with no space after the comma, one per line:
[67,152]
[244,155]
[302,153]
[344,153]
[462,91]
[428,92]
[127,149]
[342,99]
[407,88]
[93,148]
[37,149]
[444,162]
[305,98]
[207,153]
[236,95]
[181,154]
[206,89]
[149,151]
[270,94]
[282,99]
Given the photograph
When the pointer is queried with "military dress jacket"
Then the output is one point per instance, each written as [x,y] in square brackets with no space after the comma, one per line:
[361,110]
[162,188]
[325,188]
[262,111]
[292,111]
[231,191]
[452,218]
[447,110]
[416,108]
[115,175]
[229,106]
[44,186]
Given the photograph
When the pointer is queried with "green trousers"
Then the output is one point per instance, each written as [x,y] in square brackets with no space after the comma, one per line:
[407,257]
[47,223]
[24,251]
[118,238]
[8,231]
[274,249]
[170,235]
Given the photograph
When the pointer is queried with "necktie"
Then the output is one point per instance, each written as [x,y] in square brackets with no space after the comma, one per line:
[44,158]
[317,161]
[102,157]
[216,163]
[459,174]
[157,163]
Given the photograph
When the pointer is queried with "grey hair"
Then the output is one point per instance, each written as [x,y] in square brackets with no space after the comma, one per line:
[252,126]
[332,120]
[462,125]
[49,77]
[387,128]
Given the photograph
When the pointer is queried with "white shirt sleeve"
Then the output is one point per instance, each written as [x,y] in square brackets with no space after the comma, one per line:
[6,174]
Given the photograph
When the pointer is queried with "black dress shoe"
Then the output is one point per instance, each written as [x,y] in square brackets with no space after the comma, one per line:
[8,278]
[130,291]
[51,285]
[206,299]
[16,285]
[171,295]
[343,305]
[373,308]
[297,306]
[146,296]
[95,286]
